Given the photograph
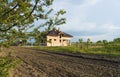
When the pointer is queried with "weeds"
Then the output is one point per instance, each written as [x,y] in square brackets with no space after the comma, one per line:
[113,51]
[6,63]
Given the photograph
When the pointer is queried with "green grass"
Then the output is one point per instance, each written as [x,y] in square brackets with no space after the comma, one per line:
[106,51]
[6,63]
[58,49]
[113,51]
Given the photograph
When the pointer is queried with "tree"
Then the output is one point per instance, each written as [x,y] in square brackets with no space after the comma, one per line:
[116,40]
[37,36]
[88,42]
[51,23]
[18,15]
[56,20]
[99,42]
[80,41]
[105,42]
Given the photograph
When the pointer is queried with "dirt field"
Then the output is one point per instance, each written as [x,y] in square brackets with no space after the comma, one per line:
[44,64]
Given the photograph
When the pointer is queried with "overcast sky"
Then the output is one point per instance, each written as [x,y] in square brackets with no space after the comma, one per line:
[94,19]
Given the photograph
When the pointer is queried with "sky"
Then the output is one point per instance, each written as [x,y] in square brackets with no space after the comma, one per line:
[94,19]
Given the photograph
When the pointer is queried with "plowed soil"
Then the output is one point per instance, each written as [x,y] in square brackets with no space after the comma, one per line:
[38,63]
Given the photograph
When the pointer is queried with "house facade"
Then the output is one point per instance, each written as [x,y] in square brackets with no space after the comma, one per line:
[58,38]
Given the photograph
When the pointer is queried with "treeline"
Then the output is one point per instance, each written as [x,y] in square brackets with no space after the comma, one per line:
[116,41]
[115,44]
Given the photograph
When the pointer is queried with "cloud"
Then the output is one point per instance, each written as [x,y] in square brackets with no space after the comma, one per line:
[87,3]
[90,18]
[75,14]
[98,32]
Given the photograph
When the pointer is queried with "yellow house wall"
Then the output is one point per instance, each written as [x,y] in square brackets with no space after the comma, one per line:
[57,42]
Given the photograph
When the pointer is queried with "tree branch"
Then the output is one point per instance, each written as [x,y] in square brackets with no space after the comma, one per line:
[9,10]
[4,30]
[32,9]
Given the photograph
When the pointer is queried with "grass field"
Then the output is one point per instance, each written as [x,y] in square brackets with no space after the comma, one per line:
[108,51]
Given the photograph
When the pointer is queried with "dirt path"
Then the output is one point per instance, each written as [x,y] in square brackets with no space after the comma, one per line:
[43,64]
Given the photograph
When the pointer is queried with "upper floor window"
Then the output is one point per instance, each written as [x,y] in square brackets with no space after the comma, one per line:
[50,40]
[54,39]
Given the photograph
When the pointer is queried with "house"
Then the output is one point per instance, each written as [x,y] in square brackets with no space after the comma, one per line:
[56,37]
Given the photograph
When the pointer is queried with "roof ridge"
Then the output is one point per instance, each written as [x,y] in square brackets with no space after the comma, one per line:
[56,33]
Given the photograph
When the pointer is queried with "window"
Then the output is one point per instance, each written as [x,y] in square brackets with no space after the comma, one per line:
[50,40]
[64,40]
[54,39]
[60,41]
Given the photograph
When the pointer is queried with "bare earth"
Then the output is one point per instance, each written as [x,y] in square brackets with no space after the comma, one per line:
[44,64]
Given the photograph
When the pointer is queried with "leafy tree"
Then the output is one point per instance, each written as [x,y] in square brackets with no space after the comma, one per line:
[37,36]
[18,15]
[105,42]
[51,23]
[99,42]
[56,20]
[88,42]
[80,41]
[116,40]
[53,20]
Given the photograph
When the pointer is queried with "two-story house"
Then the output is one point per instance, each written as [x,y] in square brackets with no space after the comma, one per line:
[58,38]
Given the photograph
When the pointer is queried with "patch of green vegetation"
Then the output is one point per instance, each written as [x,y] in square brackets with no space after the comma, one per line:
[113,51]
[6,63]
[58,49]
[110,51]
